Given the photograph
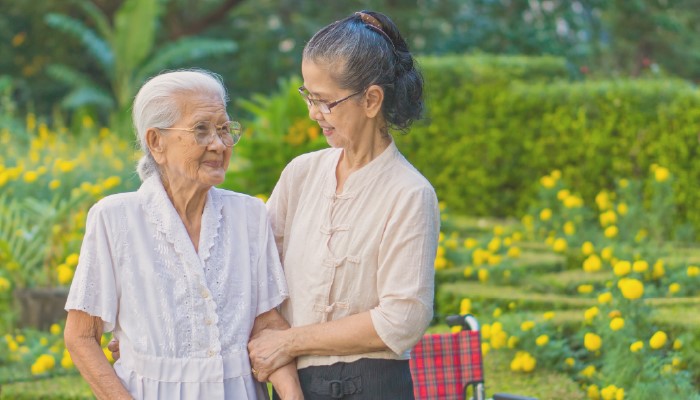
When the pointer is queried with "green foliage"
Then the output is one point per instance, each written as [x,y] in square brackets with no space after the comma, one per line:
[497,124]
[279,130]
[126,54]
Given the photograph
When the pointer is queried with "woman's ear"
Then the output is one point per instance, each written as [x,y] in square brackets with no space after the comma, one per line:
[155,144]
[373,100]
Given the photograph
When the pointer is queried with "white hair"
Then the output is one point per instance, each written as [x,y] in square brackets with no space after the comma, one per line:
[156,106]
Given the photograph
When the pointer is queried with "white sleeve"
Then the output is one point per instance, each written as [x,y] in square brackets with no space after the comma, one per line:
[94,288]
[272,287]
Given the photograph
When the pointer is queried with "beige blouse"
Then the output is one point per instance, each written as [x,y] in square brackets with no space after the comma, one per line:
[371,247]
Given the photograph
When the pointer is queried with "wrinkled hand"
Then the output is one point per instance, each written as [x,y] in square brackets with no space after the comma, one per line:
[268,352]
[113,346]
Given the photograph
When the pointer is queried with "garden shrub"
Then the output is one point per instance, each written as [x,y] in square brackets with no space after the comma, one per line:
[496,124]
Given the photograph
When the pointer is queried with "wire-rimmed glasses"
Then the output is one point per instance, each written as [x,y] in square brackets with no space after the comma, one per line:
[229,132]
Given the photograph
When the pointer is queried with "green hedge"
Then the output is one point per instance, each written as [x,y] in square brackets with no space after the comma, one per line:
[497,124]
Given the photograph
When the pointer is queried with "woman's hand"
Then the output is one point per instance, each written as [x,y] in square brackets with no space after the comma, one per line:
[269,351]
[113,346]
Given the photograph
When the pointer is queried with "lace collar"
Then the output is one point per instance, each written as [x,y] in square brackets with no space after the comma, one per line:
[161,213]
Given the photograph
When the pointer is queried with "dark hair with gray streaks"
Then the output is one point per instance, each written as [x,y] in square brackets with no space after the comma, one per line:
[364,55]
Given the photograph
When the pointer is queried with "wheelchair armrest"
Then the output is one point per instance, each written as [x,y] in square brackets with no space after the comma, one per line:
[467,322]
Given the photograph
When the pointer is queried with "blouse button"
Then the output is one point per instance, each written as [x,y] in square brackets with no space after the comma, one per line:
[211,353]
[208,321]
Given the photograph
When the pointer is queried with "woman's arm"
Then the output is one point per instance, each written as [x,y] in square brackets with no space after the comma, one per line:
[284,378]
[82,336]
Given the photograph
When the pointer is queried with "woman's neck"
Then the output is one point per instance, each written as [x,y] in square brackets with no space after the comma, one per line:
[189,202]
[357,155]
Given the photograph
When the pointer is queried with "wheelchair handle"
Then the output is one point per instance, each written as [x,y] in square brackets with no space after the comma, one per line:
[467,321]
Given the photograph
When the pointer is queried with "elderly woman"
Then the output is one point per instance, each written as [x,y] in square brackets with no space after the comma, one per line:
[356,225]
[181,272]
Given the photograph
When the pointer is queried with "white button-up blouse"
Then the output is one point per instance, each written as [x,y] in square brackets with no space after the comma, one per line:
[370,248]
[183,318]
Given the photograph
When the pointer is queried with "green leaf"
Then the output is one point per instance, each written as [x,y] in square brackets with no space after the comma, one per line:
[88,95]
[69,76]
[95,45]
[183,51]
[99,18]
[135,26]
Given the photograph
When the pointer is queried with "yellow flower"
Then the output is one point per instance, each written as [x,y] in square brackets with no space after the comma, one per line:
[548,315]
[658,340]
[111,182]
[592,342]
[54,184]
[30,176]
[608,218]
[546,214]
[4,284]
[527,220]
[608,392]
[527,325]
[468,272]
[636,346]
[542,340]
[512,342]
[617,323]
[570,361]
[591,313]
[622,268]
[523,362]
[20,338]
[563,194]
[610,232]
[560,245]
[440,262]
[494,260]
[547,181]
[606,254]
[108,354]
[631,289]
[584,289]
[602,199]
[593,392]
[592,263]
[486,331]
[498,339]
[674,288]
[66,361]
[640,266]
[587,248]
[514,252]
[483,275]
[661,174]
[623,183]
[470,243]
[72,259]
[498,230]
[605,298]
[693,271]
[456,329]
[658,270]
[494,244]
[589,371]
[573,202]
[43,363]
[65,274]
[465,306]
[485,348]
[55,329]
[677,344]
[569,228]
[622,209]
[556,174]
[497,312]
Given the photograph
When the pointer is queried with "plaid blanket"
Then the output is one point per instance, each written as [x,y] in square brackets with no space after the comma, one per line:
[443,364]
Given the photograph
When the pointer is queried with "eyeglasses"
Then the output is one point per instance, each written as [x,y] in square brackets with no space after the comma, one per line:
[323,106]
[229,132]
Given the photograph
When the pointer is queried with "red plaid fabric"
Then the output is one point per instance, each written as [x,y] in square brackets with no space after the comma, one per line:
[442,365]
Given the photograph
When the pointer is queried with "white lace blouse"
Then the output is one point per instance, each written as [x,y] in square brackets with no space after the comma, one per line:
[182,317]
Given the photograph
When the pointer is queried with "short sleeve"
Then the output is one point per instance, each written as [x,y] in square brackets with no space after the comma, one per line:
[272,286]
[94,288]
[277,207]
[405,277]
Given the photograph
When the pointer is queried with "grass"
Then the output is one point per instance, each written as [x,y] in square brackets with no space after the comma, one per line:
[498,376]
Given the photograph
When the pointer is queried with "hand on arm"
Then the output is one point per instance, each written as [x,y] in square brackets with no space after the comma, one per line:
[283,374]
[82,336]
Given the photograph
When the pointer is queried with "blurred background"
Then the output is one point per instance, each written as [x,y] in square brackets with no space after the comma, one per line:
[561,137]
